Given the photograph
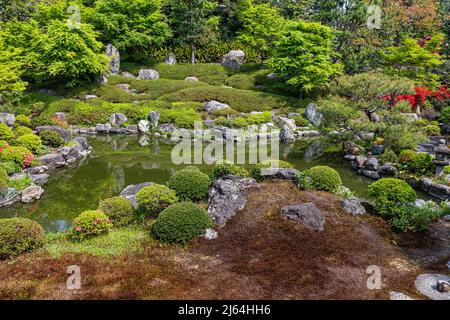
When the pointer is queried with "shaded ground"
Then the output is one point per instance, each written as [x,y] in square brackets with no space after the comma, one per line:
[258,255]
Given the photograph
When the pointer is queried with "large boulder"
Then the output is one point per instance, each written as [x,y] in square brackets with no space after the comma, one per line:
[148,74]
[117,119]
[233,59]
[285,122]
[154,117]
[9,196]
[144,126]
[65,134]
[359,161]
[279,173]
[286,135]
[313,114]
[191,79]
[439,191]
[427,284]
[399,296]
[39,179]
[130,192]
[388,170]
[171,59]
[353,206]
[226,196]
[53,160]
[113,54]
[306,213]
[7,118]
[103,127]
[167,128]
[371,164]
[32,193]
[213,105]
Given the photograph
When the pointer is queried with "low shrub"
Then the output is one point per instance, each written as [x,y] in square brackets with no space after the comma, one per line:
[222,168]
[256,170]
[445,115]
[403,136]
[390,196]
[10,167]
[6,133]
[4,179]
[89,224]
[432,130]
[18,235]
[300,121]
[259,118]
[41,120]
[181,222]
[189,184]
[319,178]
[19,155]
[30,141]
[51,138]
[22,130]
[119,210]
[182,118]
[415,219]
[389,156]
[420,163]
[20,183]
[446,170]
[23,120]
[154,199]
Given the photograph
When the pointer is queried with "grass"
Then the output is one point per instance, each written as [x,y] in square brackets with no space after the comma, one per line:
[115,243]
[240,100]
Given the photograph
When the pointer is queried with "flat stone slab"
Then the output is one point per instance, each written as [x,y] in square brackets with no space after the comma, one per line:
[426,284]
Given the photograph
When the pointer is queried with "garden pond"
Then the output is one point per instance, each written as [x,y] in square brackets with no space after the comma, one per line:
[119,161]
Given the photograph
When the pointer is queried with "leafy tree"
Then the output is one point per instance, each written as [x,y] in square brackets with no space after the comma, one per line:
[10,71]
[189,20]
[262,26]
[304,55]
[64,54]
[415,60]
[134,27]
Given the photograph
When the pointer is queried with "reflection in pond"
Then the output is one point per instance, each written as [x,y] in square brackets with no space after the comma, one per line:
[118,161]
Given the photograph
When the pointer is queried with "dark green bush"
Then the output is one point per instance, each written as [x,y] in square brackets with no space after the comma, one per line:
[319,178]
[10,167]
[6,133]
[432,130]
[18,235]
[389,156]
[225,167]
[189,184]
[23,120]
[154,199]
[51,138]
[415,219]
[89,224]
[300,121]
[420,163]
[390,196]
[181,222]
[256,173]
[22,130]
[445,115]
[30,141]
[119,210]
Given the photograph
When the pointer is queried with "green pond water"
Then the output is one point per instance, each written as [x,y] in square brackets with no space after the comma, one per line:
[118,161]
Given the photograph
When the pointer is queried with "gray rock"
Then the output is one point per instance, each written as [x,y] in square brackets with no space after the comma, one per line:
[39,179]
[191,79]
[32,193]
[130,192]
[113,54]
[65,134]
[309,133]
[279,173]
[448,262]
[371,164]
[127,75]
[82,141]
[371,174]
[274,77]
[103,128]
[117,119]
[419,203]
[289,123]
[208,123]
[286,135]
[118,130]
[443,286]
[313,114]
[132,129]
[374,117]
[213,105]
[148,74]
[307,213]
[349,157]
[377,149]
[439,191]
[226,196]
[234,59]
[358,163]
[53,160]
[7,118]
[388,170]
[366,135]
[103,79]
[171,59]
[399,296]
[36,170]
[144,126]
[210,234]
[123,86]
[351,148]
[425,184]
[427,284]
[353,206]
[9,196]
[61,116]
[154,117]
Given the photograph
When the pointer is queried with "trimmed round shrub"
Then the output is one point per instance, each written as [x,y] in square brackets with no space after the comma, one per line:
[21,130]
[51,138]
[256,169]
[19,155]
[10,167]
[119,210]
[154,199]
[189,184]
[89,224]
[23,120]
[432,130]
[6,133]
[30,141]
[223,168]
[181,222]
[18,235]
[390,196]
[321,178]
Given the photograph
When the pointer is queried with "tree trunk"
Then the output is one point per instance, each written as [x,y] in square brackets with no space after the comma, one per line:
[192,53]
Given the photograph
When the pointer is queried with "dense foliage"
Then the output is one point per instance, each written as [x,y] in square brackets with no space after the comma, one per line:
[89,224]
[18,235]
[154,199]
[190,184]
[119,210]
[319,178]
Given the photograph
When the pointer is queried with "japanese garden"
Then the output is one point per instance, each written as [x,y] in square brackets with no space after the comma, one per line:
[225,149]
